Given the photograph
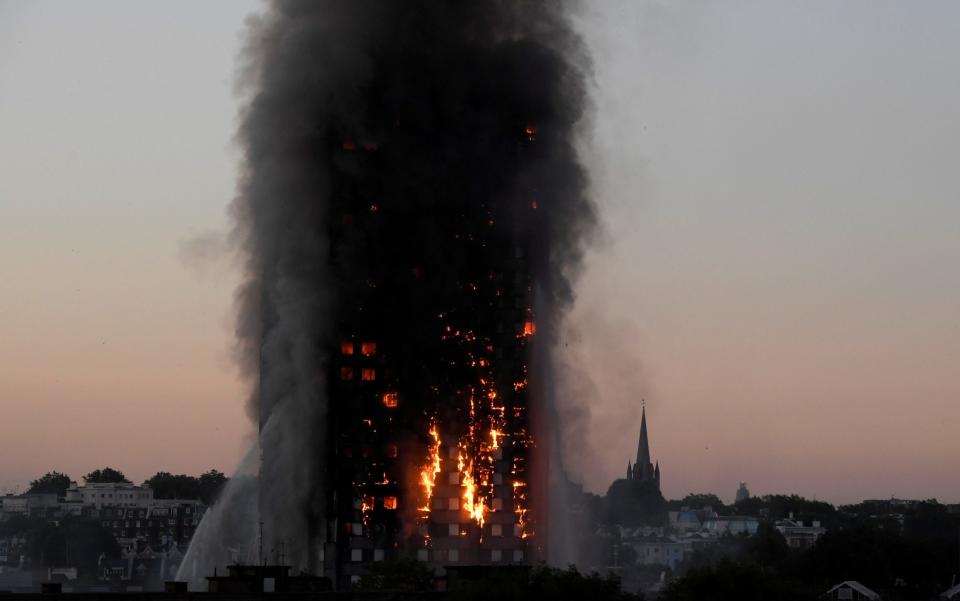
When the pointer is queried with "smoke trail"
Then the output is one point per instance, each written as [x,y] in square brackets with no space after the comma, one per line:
[397,156]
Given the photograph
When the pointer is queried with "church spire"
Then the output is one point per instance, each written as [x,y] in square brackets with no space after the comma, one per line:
[644,470]
[643,448]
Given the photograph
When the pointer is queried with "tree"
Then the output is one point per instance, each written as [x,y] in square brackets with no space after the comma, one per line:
[768,547]
[211,483]
[50,483]
[173,486]
[554,583]
[701,500]
[73,541]
[181,486]
[728,580]
[634,503]
[106,475]
[778,507]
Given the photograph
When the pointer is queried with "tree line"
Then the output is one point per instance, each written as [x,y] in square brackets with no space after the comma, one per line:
[165,485]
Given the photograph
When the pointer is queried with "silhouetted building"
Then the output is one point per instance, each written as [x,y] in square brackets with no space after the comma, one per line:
[643,470]
[853,591]
[742,493]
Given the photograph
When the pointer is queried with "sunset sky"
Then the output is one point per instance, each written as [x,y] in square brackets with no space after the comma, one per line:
[778,274]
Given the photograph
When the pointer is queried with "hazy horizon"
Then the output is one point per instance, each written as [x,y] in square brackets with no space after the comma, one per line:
[777,273]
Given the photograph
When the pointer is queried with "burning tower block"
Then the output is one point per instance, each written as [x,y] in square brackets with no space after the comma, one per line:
[414,208]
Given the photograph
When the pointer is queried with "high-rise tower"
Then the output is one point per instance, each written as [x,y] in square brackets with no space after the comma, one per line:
[412,206]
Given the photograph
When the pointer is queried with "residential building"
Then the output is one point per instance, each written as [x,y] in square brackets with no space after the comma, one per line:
[851,590]
[798,534]
[109,494]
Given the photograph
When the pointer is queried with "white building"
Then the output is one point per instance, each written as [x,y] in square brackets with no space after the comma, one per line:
[658,550]
[799,535]
[737,525]
[29,503]
[110,494]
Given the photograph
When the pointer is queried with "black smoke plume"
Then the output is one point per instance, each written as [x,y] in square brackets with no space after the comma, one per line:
[398,155]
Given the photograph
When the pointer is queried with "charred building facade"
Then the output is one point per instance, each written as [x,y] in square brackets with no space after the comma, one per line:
[413,209]
[428,381]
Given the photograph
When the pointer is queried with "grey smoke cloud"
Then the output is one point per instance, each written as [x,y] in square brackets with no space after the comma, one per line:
[446,88]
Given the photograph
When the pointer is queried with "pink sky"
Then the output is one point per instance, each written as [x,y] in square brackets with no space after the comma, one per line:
[778,274]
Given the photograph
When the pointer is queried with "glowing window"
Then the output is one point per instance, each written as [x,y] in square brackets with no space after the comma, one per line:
[454,478]
[390,399]
[368,348]
[529,328]
[389,502]
[346,347]
[346,374]
[368,374]
[391,450]
[453,504]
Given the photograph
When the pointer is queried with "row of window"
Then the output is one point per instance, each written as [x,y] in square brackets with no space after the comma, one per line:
[456,529]
[367,349]
[367,374]
[443,555]
[454,478]
[103,495]
[149,524]
[389,450]
[453,503]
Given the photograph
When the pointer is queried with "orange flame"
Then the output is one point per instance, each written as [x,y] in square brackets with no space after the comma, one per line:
[428,475]
[471,502]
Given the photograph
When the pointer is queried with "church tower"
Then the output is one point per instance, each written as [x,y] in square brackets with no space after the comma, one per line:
[644,470]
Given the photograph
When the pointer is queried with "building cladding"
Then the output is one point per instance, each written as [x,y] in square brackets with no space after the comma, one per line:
[428,377]
[413,206]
